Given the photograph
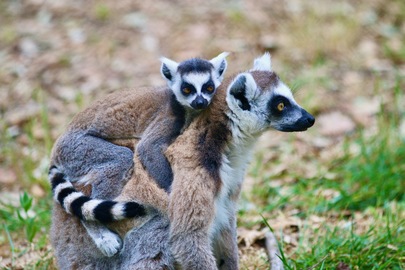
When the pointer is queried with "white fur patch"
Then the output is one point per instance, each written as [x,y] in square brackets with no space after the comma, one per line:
[216,62]
[253,120]
[52,173]
[284,90]
[60,187]
[263,62]
[87,178]
[197,79]
[106,241]
[88,207]
[232,173]
[170,64]
[250,85]
[118,210]
[223,207]
[69,199]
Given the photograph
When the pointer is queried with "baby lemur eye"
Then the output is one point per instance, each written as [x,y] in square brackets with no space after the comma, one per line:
[208,87]
[186,90]
[280,106]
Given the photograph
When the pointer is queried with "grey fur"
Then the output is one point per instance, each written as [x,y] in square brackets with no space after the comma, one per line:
[145,247]
[82,154]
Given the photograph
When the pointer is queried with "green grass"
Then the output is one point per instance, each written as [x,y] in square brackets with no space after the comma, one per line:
[378,245]
[368,178]
[102,12]
[26,216]
[25,224]
[25,228]
[376,173]
[365,229]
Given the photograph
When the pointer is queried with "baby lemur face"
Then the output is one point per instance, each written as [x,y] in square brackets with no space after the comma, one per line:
[258,99]
[194,81]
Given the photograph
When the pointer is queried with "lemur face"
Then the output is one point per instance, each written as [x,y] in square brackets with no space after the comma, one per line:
[262,100]
[285,114]
[194,81]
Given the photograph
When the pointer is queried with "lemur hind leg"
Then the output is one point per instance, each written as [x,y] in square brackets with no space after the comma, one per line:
[147,247]
[88,159]
[92,160]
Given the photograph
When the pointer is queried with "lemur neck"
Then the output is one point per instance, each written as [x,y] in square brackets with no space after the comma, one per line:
[189,116]
[241,151]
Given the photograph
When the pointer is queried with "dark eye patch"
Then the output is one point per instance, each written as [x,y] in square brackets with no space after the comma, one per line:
[273,103]
[208,87]
[190,87]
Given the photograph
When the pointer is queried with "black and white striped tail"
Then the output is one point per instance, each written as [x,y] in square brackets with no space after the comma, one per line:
[86,208]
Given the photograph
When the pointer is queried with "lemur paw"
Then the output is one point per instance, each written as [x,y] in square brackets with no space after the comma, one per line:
[109,243]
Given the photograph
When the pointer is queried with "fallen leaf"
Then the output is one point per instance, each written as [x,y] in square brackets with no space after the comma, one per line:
[392,247]
[249,237]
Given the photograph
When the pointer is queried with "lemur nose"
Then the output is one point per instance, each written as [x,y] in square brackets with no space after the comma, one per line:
[311,120]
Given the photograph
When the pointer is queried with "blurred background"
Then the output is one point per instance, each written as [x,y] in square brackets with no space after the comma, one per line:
[334,195]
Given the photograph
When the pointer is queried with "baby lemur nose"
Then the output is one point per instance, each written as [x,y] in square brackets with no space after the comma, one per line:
[199,103]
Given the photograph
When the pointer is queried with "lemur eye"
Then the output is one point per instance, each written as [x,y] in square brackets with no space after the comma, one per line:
[210,88]
[280,106]
[186,90]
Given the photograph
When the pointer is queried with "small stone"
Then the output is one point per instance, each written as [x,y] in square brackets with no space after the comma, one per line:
[7,176]
[37,191]
[77,35]
[28,47]
[135,20]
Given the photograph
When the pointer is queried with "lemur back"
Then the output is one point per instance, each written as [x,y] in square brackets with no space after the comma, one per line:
[99,145]
[208,159]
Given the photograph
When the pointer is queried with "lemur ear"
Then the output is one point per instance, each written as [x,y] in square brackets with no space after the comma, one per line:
[168,69]
[263,62]
[242,89]
[220,65]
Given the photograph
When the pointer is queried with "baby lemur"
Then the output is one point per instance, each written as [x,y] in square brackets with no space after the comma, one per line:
[209,160]
[99,146]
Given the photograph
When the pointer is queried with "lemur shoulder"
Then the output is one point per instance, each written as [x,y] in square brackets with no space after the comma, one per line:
[209,160]
[99,145]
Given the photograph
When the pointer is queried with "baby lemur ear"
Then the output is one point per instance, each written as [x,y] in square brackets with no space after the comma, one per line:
[220,65]
[263,62]
[168,69]
[242,90]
